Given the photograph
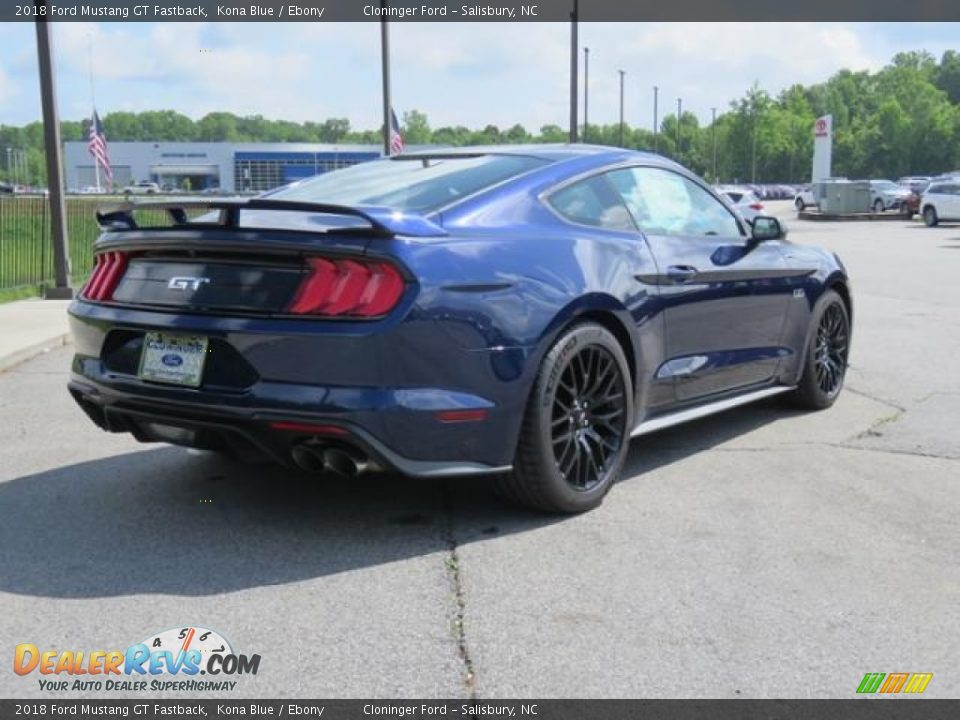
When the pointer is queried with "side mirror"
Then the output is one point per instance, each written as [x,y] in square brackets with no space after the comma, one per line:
[767,228]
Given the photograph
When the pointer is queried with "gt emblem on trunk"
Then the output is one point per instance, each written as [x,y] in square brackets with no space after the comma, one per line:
[187,283]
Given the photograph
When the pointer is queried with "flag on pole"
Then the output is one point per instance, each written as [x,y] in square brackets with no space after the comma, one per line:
[97,145]
[396,139]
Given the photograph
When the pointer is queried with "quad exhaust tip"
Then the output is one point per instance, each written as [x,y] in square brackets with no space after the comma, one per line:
[317,457]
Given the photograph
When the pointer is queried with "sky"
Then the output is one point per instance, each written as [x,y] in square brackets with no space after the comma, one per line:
[457,73]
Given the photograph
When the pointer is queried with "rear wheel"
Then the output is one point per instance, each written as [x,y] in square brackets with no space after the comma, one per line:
[825,364]
[930,216]
[877,205]
[576,428]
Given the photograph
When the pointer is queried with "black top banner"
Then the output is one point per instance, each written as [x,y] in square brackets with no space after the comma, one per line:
[481,11]
[873,709]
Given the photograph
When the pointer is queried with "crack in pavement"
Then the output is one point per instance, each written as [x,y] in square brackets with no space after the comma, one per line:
[839,446]
[882,401]
[452,563]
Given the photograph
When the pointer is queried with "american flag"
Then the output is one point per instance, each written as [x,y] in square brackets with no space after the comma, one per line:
[97,145]
[396,139]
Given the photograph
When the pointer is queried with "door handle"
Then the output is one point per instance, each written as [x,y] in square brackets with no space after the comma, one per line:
[681,273]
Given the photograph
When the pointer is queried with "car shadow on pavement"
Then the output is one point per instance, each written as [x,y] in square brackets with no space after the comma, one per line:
[165,521]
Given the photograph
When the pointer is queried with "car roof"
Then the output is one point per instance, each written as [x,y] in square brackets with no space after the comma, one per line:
[552,152]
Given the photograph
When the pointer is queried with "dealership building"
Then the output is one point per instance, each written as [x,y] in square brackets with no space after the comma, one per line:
[233,167]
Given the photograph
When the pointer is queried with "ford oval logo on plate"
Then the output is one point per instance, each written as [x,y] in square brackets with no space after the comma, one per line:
[171,360]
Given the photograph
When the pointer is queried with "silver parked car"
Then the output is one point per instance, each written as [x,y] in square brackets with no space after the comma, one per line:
[887,195]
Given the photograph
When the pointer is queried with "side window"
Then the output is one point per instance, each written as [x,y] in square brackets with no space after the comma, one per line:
[593,201]
[666,203]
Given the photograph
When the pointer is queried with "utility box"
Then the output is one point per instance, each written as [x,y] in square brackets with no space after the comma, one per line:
[843,196]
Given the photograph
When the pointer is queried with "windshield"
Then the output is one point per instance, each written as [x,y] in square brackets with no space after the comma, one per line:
[419,184]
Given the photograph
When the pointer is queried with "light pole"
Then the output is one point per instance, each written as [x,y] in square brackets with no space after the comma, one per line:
[679,115]
[753,172]
[713,130]
[586,90]
[574,44]
[385,81]
[622,73]
[9,171]
[51,141]
[656,119]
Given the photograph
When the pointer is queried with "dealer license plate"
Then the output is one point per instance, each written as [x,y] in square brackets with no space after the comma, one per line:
[173,359]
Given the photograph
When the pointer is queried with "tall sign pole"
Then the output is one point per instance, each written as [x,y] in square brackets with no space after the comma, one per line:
[679,115]
[574,53]
[822,147]
[656,119]
[385,69]
[586,90]
[622,73]
[713,131]
[51,139]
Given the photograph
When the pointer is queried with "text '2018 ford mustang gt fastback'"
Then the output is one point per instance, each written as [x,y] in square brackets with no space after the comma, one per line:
[513,311]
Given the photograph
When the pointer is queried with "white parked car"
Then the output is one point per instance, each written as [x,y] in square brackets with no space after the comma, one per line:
[941,201]
[743,201]
[143,187]
[804,198]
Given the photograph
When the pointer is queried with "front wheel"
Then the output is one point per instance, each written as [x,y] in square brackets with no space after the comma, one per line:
[825,363]
[877,206]
[798,204]
[576,429]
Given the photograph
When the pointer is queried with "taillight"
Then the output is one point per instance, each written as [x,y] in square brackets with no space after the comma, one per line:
[348,288]
[756,206]
[108,269]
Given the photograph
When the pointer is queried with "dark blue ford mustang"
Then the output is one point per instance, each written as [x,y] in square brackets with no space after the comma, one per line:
[517,311]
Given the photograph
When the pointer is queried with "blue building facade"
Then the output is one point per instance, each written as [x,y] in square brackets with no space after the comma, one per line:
[232,167]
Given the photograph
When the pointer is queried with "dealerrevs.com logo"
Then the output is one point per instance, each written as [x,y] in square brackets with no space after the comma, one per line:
[171,660]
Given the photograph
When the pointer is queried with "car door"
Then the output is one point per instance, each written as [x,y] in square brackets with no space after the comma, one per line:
[725,296]
[951,199]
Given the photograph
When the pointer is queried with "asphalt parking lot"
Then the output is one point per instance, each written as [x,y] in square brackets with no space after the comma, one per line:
[759,553]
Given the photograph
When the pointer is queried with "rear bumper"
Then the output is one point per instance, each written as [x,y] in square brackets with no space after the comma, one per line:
[395,423]
[242,431]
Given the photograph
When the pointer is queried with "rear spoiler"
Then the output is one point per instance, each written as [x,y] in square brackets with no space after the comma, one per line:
[384,221]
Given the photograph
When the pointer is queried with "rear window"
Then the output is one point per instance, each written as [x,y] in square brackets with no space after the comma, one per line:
[418,184]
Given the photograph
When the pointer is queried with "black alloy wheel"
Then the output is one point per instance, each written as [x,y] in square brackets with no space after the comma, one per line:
[825,362]
[588,418]
[832,345]
[576,428]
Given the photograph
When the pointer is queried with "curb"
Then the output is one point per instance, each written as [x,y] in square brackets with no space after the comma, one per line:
[852,217]
[8,362]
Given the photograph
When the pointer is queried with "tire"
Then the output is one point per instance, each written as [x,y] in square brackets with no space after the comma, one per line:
[799,204]
[825,362]
[930,216]
[569,454]
[877,205]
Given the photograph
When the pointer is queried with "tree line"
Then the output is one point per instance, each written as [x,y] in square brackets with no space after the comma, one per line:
[901,120]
